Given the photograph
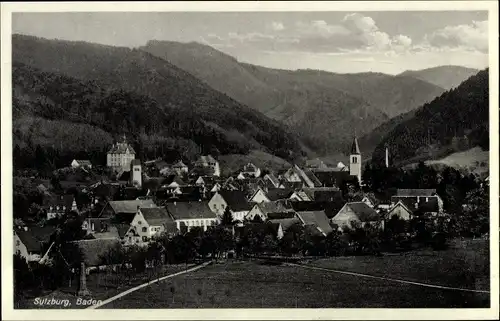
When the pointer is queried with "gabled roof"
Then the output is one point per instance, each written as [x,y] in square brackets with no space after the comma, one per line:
[273,179]
[235,200]
[274,207]
[156,215]
[179,164]
[173,178]
[31,243]
[316,218]
[160,164]
[332,177]
[323,193]
[121,148]
[286,222]
[364,212]
[274,194]
[400,203]
[287,214]
[130,206]
[60,200]
[312,177]
[83,162]
[190,210]
[416,192]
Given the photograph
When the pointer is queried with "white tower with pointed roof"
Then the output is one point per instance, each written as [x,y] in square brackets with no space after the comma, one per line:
[355,167]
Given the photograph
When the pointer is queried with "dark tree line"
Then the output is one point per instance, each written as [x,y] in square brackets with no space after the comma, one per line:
[458,113]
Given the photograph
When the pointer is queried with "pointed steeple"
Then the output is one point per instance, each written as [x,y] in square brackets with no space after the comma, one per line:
[355,147]
[124,138]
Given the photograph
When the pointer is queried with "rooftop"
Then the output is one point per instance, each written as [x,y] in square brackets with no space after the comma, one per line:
[190,210]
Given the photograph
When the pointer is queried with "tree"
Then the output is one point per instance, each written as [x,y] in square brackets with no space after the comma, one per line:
[292,240]
[335,244]
[227,217]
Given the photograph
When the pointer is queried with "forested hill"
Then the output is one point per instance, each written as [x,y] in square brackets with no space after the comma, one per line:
[458,119]
[122,90]
[324,107]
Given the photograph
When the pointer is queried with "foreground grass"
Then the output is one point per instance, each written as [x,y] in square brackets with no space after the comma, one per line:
[101,285]
[465,265]
[255,285]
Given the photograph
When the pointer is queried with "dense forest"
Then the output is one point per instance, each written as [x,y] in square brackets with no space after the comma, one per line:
[71,118]
[458,119]
[120,90]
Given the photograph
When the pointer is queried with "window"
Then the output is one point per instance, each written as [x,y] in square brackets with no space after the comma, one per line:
[354,160]
[144,229]
[130,239]
[144,238]
[139,222]
[18,242]
[136,169]
[197,223]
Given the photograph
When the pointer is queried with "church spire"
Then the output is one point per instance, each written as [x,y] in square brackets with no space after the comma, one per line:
[124,138]
[355,146]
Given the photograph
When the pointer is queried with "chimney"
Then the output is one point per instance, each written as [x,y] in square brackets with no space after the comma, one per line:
[387,157]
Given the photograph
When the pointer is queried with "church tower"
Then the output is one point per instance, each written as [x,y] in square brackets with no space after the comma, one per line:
[355,160]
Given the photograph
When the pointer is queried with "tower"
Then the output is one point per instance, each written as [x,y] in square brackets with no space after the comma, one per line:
[355,160]
[387,157]
[136,173]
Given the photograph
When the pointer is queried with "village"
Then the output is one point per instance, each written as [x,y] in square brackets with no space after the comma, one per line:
[151,202]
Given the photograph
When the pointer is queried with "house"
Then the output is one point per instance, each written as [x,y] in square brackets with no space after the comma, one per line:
[59,205]
[322,194]
[259,196]
[317,219]
[31,243]
[330,208]
[369,199]
[123,211]
[217,187]
[315,163]
[120,156]
[401,211]
[356,212]
[103,229]
[265,208]
[296,175]
[425,200]
[272,181]
[250,170]
[192,214]
[234,200]
[300,196]
[286,223]
[208,162]
[262,229]
[276,194]
[149,222]
[81,163]
[180,168]
[173,181]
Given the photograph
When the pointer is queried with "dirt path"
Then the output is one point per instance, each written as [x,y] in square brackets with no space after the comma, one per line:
[116,297]
[389,279]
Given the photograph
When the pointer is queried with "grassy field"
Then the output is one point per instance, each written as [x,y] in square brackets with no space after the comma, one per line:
[256,285]
[101,285]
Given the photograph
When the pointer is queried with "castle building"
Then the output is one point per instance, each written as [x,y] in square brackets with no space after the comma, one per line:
[355,167]
[120,156]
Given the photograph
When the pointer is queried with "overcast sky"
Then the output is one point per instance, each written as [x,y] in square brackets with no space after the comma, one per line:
[344,42]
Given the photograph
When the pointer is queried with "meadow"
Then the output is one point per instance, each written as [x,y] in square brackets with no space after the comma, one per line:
[257,284]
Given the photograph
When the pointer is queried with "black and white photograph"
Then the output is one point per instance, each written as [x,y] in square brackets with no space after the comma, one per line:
[254,159]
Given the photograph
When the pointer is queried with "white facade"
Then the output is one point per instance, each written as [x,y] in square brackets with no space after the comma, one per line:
[196,222]
[217,204]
